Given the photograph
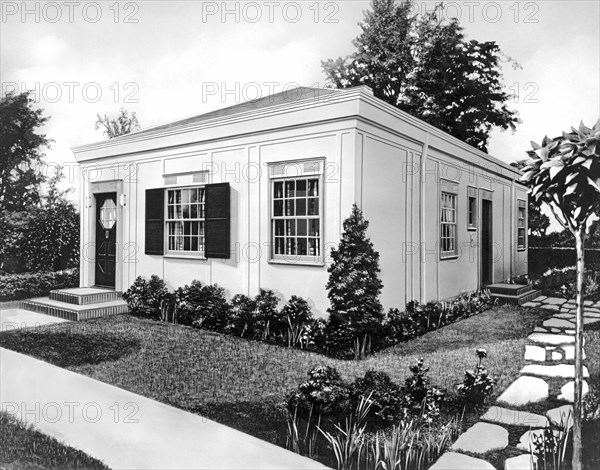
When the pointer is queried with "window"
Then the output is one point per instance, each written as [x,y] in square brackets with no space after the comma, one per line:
[521,225]
[296,212]
[185,220]
[471,208]
[448,225]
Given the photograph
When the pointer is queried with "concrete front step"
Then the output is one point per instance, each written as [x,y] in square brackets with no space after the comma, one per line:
[85,295]
[509,289]
[519,299]
[74,312]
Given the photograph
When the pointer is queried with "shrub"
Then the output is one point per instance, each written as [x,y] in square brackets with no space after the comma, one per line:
[145,298]
[591,406]
[386,397]
[420,397]
[202,306]
[324,393]
[243,320]
[269,325]
[562,282]
[26,285]
[297,317]
[478,385]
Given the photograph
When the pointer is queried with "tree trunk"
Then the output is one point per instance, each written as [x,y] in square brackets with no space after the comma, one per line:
[577,462]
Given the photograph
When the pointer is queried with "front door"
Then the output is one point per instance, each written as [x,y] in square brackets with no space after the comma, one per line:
[486,243]
[106,239]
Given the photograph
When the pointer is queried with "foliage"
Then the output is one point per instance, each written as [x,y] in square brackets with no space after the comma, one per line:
[21,150]
[13,229]
[270,325]
[385,396]
[355,315]
[591,406]
[421,398]
[427,68]
[121,125]
[26,285]
[562,282]
[297,316]
[202,306]
[478,385]
[324,393]
[550,447]
[144,298]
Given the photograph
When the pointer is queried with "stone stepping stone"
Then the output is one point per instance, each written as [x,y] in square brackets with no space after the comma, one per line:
[550,339]
[561,415]
[567,392]
[555,301]
[521,462]
[540,298]
[558,323]
[590,321]
[509,417]
[535,353]
[481,438]
[525,390]
[565,371]
[455,461]
[531,304]
[551,307]
[527,439]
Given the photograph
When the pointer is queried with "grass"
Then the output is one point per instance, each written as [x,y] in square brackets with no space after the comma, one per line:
[24,448]
[242,383]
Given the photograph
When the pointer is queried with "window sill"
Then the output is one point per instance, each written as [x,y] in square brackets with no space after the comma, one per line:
[293,262]
[185,256]
[445,258]
[471,229]
[522,248]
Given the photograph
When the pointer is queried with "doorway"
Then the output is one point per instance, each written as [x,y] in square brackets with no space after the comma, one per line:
[486,243]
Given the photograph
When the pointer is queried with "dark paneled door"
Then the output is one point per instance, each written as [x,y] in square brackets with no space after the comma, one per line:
[106,239]
[486,242]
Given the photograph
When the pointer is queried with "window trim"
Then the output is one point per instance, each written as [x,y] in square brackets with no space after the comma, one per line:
[522,247]
[450,190]
[302,260]
[167,253]
[472,194]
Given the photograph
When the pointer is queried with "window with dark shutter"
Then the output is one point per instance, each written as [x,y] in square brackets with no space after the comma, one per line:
[155,214]
[217,220]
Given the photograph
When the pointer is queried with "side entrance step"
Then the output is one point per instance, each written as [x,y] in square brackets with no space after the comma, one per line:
[78,304]
[515,294]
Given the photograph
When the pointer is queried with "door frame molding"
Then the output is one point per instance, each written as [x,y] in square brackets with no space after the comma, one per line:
[112,186]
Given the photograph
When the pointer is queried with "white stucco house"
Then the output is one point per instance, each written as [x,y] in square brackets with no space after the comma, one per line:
[254,195]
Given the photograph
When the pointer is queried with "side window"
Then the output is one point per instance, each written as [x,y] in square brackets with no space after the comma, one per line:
[471,208]
[521,224]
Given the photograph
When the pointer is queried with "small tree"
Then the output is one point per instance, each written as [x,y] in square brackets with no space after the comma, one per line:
[564,172]
[123,124]
[353,290]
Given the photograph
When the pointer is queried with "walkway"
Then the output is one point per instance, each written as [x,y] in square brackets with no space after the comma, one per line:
[125,430]
[549,372]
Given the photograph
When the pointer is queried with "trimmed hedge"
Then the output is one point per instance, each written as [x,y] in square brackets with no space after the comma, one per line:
[23,286]
[542,259]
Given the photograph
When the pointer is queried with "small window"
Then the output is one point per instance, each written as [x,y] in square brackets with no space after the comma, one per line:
[448,240]
[521,225]
[296,212]
[185,220]
[471,208]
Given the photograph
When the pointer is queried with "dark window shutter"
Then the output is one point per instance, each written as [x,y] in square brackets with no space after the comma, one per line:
[217,221]
[155,222]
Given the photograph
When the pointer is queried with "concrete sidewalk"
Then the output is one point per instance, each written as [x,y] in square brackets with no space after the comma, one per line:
[15,318]
[125,430]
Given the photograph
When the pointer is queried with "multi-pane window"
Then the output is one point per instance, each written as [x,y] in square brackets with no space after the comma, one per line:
[185,220]
[448,225]
[521,225]
[296,218]
[471,208]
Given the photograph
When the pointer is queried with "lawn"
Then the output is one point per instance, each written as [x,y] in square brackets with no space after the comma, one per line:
[242,383]
[24,448]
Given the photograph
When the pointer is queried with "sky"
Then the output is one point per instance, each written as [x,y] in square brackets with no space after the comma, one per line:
[174,59]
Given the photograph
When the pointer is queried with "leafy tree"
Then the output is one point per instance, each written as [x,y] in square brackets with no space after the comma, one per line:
[564,172]
[537,221]
[121,125]
[51,239]
[427,68]
[356,314]
[21,149]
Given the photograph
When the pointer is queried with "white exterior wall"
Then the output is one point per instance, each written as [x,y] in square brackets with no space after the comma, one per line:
[373,156]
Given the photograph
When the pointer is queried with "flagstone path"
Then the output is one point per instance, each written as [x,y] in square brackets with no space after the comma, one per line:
[545,381]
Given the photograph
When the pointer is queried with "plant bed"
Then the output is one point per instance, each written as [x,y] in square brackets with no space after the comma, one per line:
[23,447]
